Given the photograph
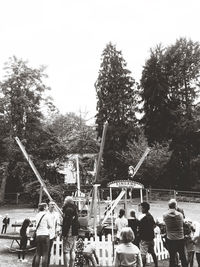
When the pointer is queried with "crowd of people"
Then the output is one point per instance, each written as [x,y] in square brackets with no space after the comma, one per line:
[180,237]
[134,237]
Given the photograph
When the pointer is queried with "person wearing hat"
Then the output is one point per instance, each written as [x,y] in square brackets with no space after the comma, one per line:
[55,230]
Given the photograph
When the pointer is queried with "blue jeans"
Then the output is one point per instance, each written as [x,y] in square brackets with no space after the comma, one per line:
[42,250]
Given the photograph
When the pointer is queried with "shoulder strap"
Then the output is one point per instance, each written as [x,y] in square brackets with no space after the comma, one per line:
[39,222]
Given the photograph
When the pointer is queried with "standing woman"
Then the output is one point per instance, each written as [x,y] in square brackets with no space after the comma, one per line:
[70,228]
[43,225]
[23,240]
[120,222]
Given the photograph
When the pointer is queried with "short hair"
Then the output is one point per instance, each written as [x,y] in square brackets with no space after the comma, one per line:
[132,213]
[121,212]
[145,206]
[42,206]
[172,203]
[127,235]
[68,199]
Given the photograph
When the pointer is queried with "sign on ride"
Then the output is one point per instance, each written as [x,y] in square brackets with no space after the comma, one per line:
[125,184]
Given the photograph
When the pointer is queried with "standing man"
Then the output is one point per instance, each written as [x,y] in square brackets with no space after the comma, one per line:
[6,222]
[175,235]
[55,230]
[146,227]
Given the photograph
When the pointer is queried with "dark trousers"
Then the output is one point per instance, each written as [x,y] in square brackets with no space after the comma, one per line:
[4,228]
[175,246]
[42,250]
[22,247]
[198,258]
[50,247]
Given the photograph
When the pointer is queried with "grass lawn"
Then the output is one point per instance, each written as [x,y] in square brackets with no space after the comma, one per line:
[9,259]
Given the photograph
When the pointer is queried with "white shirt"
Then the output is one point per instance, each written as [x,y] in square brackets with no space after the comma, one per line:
[90,248]
[120,223]
[55,220]
[45,223]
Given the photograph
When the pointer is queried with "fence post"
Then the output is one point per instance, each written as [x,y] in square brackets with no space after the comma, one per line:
[17,198]
[174,194]
[150,197]
[147,195]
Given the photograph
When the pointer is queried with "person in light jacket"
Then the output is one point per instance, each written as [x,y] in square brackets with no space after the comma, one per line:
[42,236]
[127,254]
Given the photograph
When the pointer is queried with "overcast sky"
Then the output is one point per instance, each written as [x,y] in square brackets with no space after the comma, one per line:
[68,36]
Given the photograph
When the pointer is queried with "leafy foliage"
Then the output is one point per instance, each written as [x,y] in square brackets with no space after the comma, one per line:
[21,97]
[117,105]
[170,87]
[153,169]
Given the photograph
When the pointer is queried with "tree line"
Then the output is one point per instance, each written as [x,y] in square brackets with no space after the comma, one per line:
[160,111]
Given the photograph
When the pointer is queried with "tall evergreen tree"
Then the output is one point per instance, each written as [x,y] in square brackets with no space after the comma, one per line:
[158,107]
[179,68]
[116,104]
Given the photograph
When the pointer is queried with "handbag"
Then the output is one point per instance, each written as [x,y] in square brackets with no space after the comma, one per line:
[33,238]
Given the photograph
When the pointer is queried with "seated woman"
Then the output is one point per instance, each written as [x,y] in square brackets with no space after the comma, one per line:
[127,254]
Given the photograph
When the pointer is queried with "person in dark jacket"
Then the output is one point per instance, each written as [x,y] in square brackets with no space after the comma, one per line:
[6,222]
[146,234]
[133,223]
[70,228]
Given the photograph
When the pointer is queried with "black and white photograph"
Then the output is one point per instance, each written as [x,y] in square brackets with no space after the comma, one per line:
[99,133]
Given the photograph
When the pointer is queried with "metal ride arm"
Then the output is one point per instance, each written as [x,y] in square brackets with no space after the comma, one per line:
[101,151]
[93,208]
[114,205]
[141,161]
[36,172]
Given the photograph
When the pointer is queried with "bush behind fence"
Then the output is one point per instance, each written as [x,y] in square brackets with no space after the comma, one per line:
[149,194]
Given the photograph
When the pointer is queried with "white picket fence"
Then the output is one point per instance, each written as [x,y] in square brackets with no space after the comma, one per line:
[105,250]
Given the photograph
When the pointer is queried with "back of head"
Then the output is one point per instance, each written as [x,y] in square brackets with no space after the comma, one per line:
[121,213]
[68,200]
[42,206]
[26,222]
[145,206]
[172,203]
[127,235]
[132,213]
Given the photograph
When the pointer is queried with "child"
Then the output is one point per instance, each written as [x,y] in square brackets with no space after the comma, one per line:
[79,259]
[189,243]
[196,240]
[120,222]
[127,254]
[23,240]
[90,255]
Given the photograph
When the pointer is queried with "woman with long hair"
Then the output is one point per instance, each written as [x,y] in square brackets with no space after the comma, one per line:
[70,228]
[23,240]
